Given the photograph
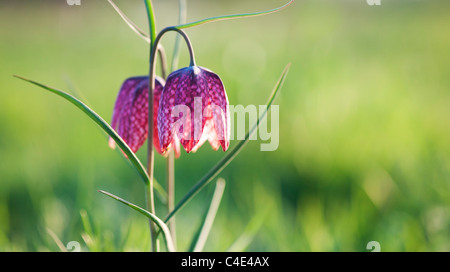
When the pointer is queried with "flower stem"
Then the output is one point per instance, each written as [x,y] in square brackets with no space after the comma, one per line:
[186,39]
[151,22]
[151,208]
[150,203]
[171,191]
[150,154]
[163,60]
[182,14]
[170,177]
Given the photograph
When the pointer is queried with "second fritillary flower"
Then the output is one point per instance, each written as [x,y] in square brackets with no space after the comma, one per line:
[130,115]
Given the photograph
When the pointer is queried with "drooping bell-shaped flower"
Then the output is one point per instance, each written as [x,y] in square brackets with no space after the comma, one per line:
[130,115]
[194,108]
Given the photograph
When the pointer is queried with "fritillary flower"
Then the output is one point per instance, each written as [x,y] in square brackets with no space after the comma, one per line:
[193,108]
[130,115]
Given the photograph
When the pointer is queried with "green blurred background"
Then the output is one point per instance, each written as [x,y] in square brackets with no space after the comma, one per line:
[364,150]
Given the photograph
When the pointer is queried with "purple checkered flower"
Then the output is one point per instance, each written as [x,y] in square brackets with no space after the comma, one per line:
[130,115]
[193,108]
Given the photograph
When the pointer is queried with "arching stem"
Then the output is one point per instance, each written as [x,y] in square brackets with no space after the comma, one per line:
[150,153]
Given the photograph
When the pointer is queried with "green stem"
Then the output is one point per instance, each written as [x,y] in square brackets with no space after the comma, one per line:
[186,39]
[151,79]
[151,22]
[150,207]
[182,14]
[163,60]
[150,203]
[171,191]
[153,56]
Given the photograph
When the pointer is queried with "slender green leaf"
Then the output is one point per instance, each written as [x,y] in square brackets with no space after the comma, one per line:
[86,223]
[216,169]
[91,239]
[163,227]
[202,234]
[250,231]
[57,241]
[232,16]
[107,128]
[132,25]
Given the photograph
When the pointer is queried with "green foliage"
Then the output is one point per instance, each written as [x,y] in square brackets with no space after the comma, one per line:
[105,127]
[364,134]
[163,227]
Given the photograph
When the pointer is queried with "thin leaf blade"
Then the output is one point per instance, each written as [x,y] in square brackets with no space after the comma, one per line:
[163,227]
[130,23]
[250,231]
[56,239]
[105,127]
[232,16]
[202,234]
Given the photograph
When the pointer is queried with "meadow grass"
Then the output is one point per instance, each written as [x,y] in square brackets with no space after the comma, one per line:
[364,129]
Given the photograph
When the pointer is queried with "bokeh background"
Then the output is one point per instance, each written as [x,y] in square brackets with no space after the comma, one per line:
[364,151]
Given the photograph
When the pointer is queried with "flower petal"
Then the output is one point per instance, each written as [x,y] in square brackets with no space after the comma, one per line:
[131,120]
[165,121]
[127,87]
[157,92]
[193,93]
[219,109]
[208,134]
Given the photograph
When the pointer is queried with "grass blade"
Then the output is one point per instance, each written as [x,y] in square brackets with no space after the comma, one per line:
[163,227]
[91,239]
[57,241]
[232,16]
[216,169]
[107,128]
[201,236]
[132,25]
[250,231]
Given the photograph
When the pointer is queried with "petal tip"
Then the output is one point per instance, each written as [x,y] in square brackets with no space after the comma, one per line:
[112,143]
